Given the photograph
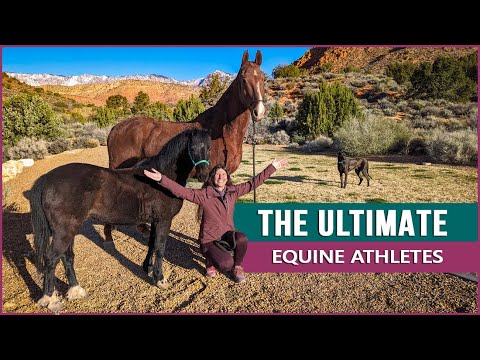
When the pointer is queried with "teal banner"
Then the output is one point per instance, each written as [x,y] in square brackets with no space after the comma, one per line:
[357,222]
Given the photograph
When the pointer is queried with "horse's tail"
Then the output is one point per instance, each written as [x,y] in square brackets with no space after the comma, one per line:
[41,227]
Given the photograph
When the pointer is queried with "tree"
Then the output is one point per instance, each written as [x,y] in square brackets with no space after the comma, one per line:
[159,110]
[276,112]
[117,102]
[400,72]
[140,103]
[325,110]
[189,109]
[213,90]
[27,115]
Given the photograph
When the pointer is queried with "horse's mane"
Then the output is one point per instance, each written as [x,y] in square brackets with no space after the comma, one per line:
[170,152]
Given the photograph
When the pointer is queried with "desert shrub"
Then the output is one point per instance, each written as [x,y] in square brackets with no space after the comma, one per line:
[321,143]
[30,148]
[325,110]
[262,130]
[28,116]
[278,138]
[458,147]
[39,90]
[85,142]
[298,139]
[291,70]
[59,145]
[60,104]
[77,117]
[373,135]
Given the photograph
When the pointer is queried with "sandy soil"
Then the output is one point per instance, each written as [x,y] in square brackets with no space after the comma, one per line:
[115,281]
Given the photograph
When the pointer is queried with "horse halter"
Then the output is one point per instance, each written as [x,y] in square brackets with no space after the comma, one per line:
[198,162]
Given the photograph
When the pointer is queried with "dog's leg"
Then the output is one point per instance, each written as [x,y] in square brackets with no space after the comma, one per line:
[341,180]
[359,174]
[365,172]
[345,180]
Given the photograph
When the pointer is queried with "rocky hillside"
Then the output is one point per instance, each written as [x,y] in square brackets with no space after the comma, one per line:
[97,94]
[371,59]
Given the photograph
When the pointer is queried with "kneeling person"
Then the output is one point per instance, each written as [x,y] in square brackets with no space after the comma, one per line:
[223,247]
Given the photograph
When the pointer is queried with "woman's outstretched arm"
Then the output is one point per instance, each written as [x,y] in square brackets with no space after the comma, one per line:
[248,186]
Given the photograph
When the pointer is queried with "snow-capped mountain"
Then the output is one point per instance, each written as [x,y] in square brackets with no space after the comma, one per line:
[49,79]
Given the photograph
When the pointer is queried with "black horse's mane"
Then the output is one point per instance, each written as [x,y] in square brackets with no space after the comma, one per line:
[170,152]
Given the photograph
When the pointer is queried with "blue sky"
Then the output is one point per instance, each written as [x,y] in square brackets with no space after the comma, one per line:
[181,63]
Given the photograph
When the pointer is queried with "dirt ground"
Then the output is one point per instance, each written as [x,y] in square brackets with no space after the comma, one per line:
[115,282]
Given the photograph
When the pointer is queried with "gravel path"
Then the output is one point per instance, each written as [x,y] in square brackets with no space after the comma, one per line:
[115,281]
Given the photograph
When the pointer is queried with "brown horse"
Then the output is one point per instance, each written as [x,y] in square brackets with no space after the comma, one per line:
[139,137]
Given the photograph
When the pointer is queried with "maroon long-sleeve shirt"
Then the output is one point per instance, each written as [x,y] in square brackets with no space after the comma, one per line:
[217,212]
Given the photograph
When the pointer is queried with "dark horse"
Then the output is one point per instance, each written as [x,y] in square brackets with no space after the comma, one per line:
[65,197]
[139,137]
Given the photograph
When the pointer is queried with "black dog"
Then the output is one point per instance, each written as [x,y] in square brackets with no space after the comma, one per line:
[346,164]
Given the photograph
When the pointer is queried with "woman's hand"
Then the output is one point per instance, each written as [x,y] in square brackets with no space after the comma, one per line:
[154,174]
[278,164]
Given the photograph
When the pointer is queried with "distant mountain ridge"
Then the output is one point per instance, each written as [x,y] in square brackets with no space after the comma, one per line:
[50,79]
[374,59]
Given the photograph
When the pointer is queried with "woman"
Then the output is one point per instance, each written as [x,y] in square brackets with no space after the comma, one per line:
[223,247]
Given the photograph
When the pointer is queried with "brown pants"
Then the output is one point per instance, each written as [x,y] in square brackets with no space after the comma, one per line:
[221,259]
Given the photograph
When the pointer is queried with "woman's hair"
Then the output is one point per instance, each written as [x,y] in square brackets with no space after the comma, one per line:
[210,182]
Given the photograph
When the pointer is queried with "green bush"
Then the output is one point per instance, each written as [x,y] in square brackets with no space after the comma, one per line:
[159,110]
[372,136]
[104,117]
[189,109]
[281,71]
[324,111]
[28,116]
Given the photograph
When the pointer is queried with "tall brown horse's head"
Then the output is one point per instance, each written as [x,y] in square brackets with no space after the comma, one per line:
[252,89]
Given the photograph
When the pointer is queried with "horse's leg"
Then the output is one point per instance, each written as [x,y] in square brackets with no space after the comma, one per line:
[75,291]
[107,230]
[160,231]
[359,174]
[58,247]
[148,262]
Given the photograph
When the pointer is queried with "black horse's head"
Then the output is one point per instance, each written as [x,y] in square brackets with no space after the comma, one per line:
[252,89]
[199,152]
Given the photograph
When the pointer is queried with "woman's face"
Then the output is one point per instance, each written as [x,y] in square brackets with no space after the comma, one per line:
[220,178]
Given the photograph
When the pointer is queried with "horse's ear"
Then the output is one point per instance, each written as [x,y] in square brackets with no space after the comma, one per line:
[245,57]
[258,58]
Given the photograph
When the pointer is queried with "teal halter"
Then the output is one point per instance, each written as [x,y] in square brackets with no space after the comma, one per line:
[198,162]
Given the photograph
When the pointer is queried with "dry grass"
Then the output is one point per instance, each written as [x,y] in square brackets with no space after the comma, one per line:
[115,282]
